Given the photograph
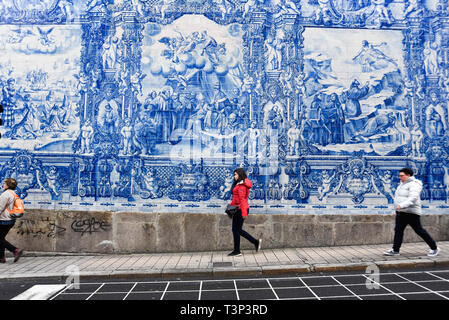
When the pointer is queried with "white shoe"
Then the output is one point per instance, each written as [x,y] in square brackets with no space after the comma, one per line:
[259,245]
[391,252]
[433,253]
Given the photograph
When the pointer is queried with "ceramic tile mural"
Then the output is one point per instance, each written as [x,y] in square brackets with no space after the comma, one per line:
[149,105]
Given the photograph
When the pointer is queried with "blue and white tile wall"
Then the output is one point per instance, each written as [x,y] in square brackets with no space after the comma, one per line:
[149,105]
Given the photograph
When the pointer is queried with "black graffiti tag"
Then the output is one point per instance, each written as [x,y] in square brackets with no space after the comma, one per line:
[89,226]
[45,227]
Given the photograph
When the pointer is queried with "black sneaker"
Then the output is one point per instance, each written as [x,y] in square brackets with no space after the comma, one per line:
[258,245]
[234,254]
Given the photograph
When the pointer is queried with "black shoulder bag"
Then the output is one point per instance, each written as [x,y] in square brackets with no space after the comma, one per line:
[231,210]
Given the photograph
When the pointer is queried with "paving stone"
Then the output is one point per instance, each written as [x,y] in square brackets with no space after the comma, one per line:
[266,262]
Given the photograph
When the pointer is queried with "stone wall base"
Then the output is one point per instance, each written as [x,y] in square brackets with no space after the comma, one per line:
[133,232]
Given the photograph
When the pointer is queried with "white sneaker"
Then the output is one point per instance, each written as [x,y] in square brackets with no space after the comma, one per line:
[433,253]
[259,245]
[391,252]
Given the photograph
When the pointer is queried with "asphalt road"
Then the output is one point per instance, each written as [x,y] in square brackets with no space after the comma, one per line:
[416,284]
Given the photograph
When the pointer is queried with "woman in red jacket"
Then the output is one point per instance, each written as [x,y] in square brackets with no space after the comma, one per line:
[240,192]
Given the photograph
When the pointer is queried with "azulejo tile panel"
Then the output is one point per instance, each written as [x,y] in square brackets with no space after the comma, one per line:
[149,105]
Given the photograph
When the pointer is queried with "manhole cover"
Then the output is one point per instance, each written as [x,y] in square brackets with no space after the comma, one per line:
[222,264]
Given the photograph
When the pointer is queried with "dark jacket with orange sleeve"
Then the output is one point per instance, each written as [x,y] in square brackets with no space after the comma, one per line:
[240,196]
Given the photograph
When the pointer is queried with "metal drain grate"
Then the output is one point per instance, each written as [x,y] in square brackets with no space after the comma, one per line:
[222,264]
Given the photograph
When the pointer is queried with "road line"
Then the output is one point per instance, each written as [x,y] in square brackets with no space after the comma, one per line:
[275,294]
[95,291]
[396,294]
[305,284]
[62,291]
[166,287]
[40,292]
[236,290]
[431,273]
[201,287]
[135,284]
[346,288]
[439,294]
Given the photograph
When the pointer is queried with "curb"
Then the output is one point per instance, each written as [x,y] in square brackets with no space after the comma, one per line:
[356,266]
[279,270]
[406,263]
[234,271]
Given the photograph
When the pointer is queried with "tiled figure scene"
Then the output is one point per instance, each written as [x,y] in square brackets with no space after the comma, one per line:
[149,105]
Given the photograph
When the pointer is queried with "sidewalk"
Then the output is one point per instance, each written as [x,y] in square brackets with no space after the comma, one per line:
[207,264]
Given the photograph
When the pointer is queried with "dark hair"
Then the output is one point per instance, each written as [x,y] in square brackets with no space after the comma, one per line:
[11,183]
[242,176]
[407,171]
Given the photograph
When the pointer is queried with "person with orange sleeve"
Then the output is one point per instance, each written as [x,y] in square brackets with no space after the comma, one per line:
[6,220]
[240,192]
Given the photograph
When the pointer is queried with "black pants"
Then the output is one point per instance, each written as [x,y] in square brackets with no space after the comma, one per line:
[4,229]
[237,231]
[402,220]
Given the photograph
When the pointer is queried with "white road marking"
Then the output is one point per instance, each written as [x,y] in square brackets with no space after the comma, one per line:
[236,290]
[40,292]
[439,294]
[346,288]
[165,291]
[135,284]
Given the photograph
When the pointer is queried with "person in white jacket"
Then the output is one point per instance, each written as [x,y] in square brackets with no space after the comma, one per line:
[407,203]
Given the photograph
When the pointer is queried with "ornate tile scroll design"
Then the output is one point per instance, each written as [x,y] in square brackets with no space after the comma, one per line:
[157,101]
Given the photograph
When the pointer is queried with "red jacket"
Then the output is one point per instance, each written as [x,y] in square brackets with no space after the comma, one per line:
[240,196]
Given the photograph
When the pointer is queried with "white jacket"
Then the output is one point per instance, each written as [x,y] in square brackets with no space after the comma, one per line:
[408,196]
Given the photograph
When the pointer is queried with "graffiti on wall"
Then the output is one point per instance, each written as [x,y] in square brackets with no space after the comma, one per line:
[44,227]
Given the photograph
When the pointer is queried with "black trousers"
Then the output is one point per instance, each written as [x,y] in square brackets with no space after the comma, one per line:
[4,229]
[402,220]
[237,231]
